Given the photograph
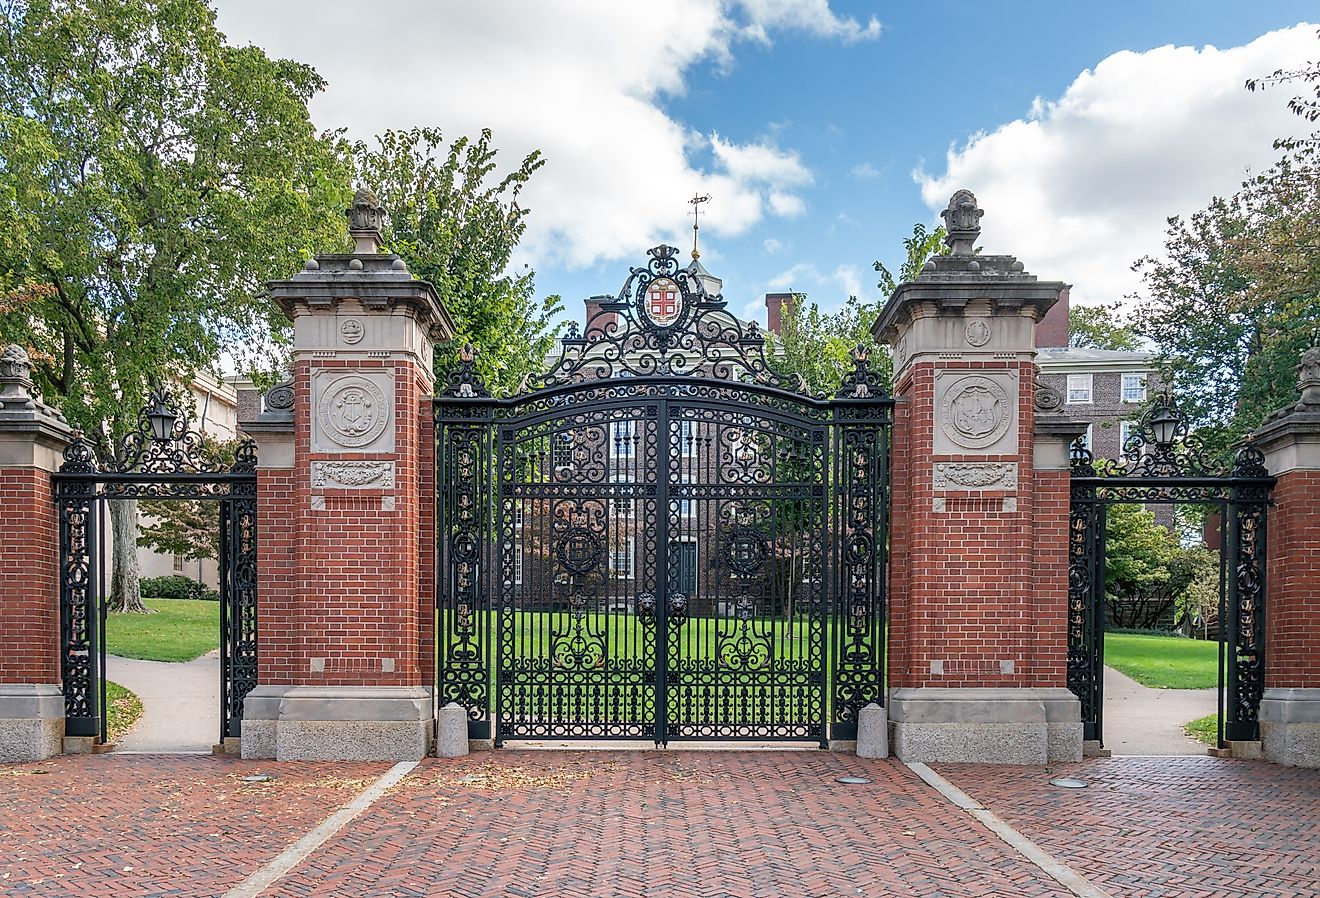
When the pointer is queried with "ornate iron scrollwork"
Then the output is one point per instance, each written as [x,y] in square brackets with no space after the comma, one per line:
[657,511]
[162,458]
[1163,461]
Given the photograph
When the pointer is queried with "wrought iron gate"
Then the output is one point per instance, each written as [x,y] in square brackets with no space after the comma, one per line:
[1163,464]
[666,539]
[161,459]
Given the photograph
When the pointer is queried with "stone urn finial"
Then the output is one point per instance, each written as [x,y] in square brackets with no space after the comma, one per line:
[16,379]
[1308,377]
[365,218]
[962,220]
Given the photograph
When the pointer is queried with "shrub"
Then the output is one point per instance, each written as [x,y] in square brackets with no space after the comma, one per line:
[177,586]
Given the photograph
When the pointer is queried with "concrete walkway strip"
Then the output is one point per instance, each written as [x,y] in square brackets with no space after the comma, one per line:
[290,857]
[1064,875]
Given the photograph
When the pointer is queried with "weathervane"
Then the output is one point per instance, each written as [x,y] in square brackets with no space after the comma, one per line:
[695,203]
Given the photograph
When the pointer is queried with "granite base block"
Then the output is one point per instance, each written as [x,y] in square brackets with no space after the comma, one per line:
[985,725]
[338,723]
[31,721]
[1290,727]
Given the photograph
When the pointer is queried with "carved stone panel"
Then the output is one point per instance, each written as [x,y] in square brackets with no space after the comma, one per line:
[352,412]
[975,475]
[976,413]
[353,475]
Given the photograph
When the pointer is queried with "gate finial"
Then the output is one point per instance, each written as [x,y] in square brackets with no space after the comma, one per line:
[962,220]
[365,218]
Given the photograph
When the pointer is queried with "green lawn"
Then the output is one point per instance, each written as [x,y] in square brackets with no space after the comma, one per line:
[124,709]
[1165,662]
[1204,729]
[180,630]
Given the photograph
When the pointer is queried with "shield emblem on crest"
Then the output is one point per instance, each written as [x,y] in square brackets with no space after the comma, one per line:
[663,301]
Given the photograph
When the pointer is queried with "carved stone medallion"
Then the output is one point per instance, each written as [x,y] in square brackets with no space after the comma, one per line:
[976,411]
[975,476]
[353,411]
[978,332]
[353,474]
[352,330]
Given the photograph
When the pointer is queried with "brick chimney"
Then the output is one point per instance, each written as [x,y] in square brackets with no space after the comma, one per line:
[601,323]
[774,310]
[1052,330]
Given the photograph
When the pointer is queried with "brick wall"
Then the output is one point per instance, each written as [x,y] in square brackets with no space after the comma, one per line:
[1292,617]
[975,585]
[29,578]
[356,603]
[1106,410]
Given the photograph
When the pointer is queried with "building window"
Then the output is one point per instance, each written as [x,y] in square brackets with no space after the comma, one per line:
[517,565]
[563,452]
[1079,388]
[687,438]
[1086,438]
[1134,388]
[178,564]
[685,508]
[621,559]
[621,508]
[1125,431]
[622,438]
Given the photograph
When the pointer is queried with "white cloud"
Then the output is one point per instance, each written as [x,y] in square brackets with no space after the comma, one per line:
[864,172]
[582,82]
[809,15]
[828,290]
[1082,186]
[787,204]
[771,245]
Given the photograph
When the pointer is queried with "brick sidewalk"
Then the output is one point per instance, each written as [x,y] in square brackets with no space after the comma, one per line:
[653,824]
[145,825]
[1186,827]
[570,824]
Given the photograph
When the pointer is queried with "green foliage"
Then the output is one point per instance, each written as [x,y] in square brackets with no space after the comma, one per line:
[154,179]
[177,586]
[1165,662]
[1101,327]
[818,345]
[189,528]
[1204,729]
[1306,108]
[917,249]
[123,709]
[1137,550]
[178,630]
[456,222]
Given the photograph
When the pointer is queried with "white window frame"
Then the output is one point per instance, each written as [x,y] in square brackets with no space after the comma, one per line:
[563,444]
[687,438]
[1125,431]
[1123,387]
[622,508]
[517,514]
[517,565]
[628,547]
[180,563]
[1088,390]
[623,438]
[1086,437]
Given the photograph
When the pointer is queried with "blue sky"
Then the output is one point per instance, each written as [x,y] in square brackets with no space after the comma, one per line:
[822,132]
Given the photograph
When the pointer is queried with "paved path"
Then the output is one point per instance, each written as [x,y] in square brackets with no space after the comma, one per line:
[180,702]
[1140,720]
[656,825]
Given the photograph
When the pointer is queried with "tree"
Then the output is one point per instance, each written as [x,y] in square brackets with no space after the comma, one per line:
[186,527]
[456,223]
[818,345]
[1100,327]
[153,179]
[1306,108]
[1235,299]
[918,249]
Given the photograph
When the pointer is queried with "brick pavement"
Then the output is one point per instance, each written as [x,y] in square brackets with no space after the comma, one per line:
[654,824]
[147,825]
[708,824]
[1185,827]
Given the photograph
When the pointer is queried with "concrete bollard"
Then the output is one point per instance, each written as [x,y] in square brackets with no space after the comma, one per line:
[451,737]
[872,732]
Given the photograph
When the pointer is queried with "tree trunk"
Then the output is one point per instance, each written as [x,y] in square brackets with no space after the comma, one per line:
[125,593]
